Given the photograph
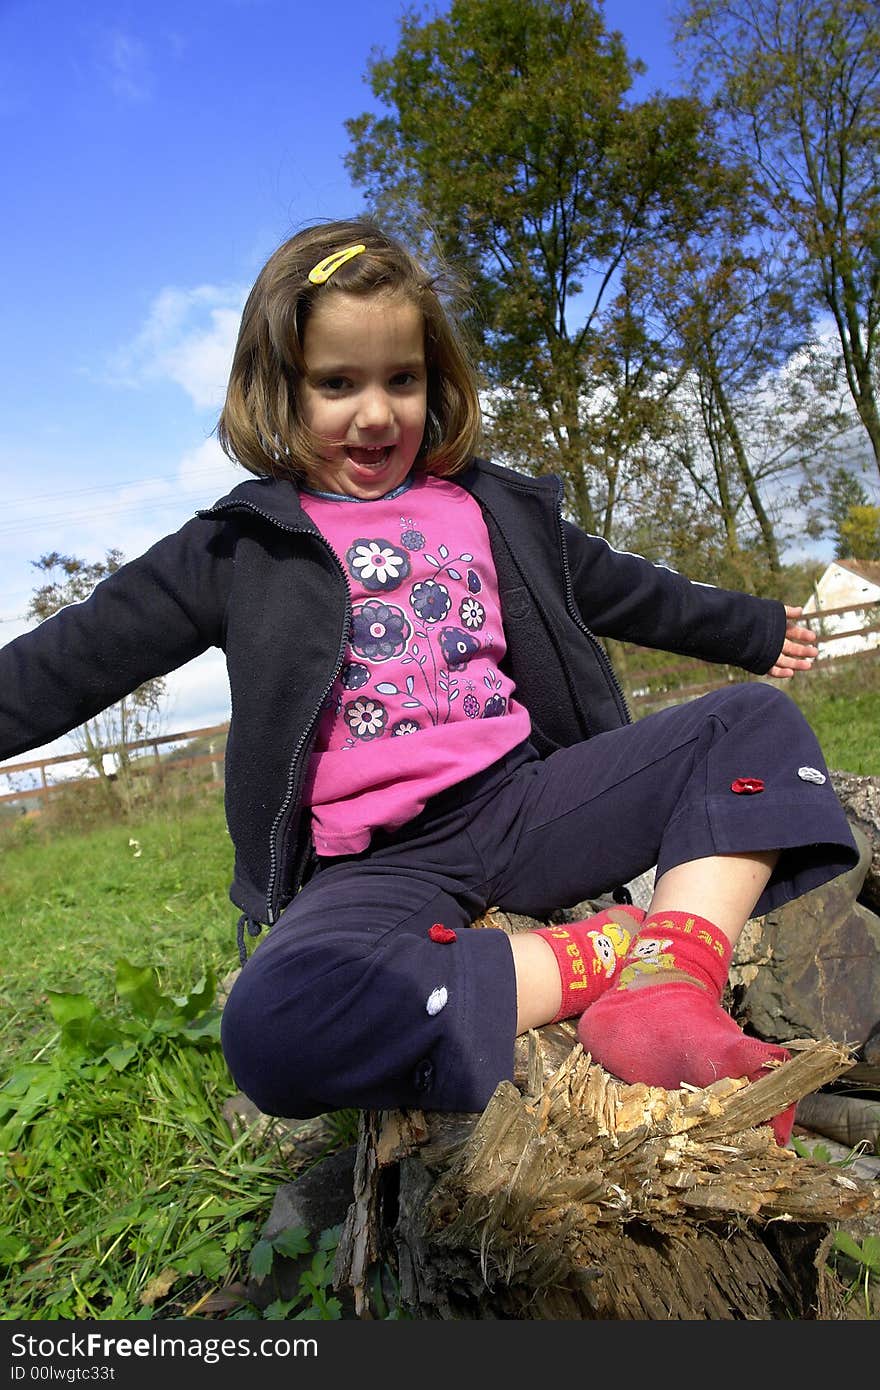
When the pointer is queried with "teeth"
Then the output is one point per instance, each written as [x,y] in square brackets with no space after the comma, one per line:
[368,456]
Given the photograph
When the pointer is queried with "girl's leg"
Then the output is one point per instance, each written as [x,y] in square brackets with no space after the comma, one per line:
[727,888]
[744,818]
[662,1022]
[561,970]
[372,990]
[728,796]
[352,1000]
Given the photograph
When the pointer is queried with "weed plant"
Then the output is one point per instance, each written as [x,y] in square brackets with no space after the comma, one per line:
[126,1188]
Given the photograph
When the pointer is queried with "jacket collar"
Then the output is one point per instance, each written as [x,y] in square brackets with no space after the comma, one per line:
[278,498]
[275,498]
[480,476]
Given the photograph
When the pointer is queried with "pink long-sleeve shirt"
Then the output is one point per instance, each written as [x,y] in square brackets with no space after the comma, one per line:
[421,702]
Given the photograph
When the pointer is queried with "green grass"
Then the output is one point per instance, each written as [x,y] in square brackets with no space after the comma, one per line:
[126,1194]
[154,890]
[843,709]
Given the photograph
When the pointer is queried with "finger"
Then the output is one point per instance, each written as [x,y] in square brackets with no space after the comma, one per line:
[789,669]
[801,634]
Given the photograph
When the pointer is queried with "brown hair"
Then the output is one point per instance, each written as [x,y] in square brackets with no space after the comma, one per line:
[260,425]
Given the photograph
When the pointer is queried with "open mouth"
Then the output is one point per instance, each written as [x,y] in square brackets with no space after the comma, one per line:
[369,458]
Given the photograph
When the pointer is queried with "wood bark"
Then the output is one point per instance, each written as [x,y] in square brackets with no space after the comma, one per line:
[574,1196]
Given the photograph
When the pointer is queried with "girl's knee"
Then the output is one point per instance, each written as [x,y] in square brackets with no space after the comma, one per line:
[248,1044]
[269,1021]
[756,700]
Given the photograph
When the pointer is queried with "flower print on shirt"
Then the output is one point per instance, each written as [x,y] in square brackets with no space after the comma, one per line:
[444,562]
[405,726]
[377,564]
[409,536]
[458,647]
[472,613]
[496,703]
[470,704]
[430,600]
[379,631]
[437,684]
[421,649]
[366,718]
[354,675]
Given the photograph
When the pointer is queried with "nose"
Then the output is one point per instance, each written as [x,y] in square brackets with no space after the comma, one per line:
[374,409]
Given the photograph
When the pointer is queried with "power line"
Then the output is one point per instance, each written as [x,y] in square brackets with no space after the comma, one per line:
[35,525]
[59,494]
[39,521]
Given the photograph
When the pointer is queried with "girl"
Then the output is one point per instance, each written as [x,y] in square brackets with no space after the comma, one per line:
[424,724]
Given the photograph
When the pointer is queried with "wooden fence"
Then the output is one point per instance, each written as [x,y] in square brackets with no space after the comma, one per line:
[157,766]
[646,688]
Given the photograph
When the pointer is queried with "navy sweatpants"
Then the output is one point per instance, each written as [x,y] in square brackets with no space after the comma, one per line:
[350,1002]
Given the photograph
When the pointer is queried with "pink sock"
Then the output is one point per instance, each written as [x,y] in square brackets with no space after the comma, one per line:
[676,1033]
[678,941]
[589,954]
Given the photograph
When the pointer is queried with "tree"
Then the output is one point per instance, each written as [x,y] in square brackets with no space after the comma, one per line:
[757,413]
[511,143]
[800,82]
[136,716]
[860,533]
[732,319]
[844,494]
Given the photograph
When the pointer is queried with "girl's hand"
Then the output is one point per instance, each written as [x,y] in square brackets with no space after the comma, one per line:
[799,649]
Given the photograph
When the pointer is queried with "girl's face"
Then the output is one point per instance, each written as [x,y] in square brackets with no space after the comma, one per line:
[364,391]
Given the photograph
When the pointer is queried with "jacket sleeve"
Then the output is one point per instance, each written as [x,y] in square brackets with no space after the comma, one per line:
[148,618]
[627,597]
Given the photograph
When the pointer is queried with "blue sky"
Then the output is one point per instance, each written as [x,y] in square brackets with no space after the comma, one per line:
[152,156]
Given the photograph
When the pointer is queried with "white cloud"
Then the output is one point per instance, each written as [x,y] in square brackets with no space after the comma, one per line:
[208,470]
[130,517]
[188,338]
[198,694]
[125,64]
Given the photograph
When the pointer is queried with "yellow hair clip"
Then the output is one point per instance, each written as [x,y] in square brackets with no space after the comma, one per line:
[324,269]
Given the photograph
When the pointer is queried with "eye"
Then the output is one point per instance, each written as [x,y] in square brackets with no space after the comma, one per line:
[333,383]
[405,379]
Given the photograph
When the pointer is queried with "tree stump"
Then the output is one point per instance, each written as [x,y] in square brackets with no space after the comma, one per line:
[574,1196]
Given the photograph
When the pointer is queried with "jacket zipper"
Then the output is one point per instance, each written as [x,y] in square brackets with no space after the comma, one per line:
[573,610]
[271,893]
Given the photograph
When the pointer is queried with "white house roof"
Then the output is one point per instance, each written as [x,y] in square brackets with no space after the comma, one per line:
[869,570]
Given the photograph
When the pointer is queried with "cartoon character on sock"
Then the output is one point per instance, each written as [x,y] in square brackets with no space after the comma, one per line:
[648,958]
[609,945]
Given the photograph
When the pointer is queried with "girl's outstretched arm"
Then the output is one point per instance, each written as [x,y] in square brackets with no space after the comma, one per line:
[799,648]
